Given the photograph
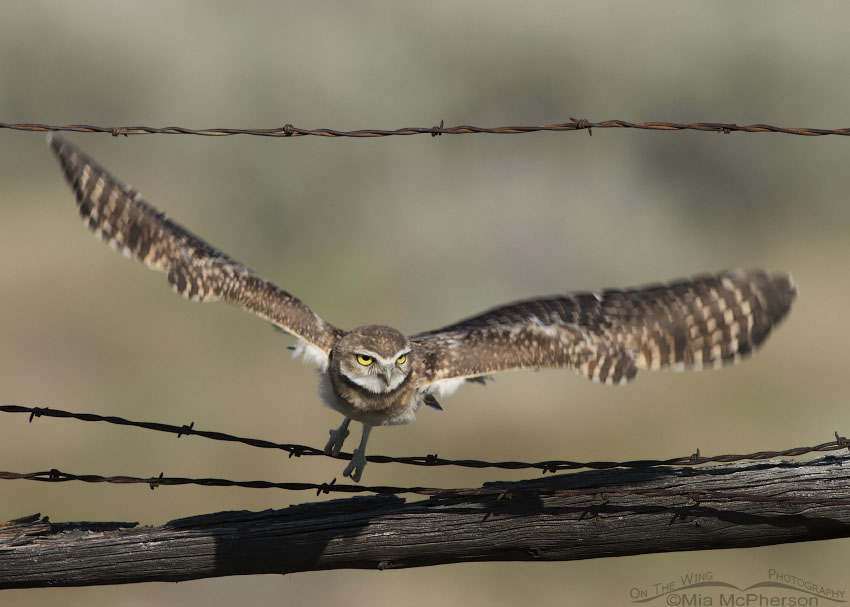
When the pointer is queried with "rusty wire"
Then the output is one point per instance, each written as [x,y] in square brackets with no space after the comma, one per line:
[289,130]
[491,491]
[295,450]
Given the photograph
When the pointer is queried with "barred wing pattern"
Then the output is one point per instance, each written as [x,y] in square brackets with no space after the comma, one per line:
[609,336]
[120,217]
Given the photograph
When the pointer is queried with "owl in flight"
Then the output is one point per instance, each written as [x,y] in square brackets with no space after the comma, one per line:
[379,377]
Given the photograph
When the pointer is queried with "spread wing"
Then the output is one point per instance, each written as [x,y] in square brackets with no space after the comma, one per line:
[118,216]
[609,336]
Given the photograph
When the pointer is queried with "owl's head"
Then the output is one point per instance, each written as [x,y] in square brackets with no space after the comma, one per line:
[376,358]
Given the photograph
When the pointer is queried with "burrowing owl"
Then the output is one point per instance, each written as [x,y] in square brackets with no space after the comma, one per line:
[378,376]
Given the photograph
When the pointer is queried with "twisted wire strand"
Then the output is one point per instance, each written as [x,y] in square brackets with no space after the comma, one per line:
[492,491]
[552,466]
[288,130]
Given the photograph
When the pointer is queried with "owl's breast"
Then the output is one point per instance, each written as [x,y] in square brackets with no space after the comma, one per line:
[376,409]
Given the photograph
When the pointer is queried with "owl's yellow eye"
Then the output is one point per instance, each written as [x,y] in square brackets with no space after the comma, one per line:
[401,359]
[365,360]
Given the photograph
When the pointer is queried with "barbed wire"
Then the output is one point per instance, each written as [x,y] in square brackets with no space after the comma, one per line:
[289,130]
[508,491]
[552,466]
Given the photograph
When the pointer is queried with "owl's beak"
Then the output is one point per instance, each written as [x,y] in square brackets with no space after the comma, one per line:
[387,376]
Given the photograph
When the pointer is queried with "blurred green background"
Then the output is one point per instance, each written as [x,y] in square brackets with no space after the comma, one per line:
[415,232]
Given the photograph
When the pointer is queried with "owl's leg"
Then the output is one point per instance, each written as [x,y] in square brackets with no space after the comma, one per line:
[358,459]
[337,438]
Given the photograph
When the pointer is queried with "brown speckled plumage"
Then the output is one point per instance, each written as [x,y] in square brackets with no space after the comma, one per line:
[609,336]
[120,217]
[378,376]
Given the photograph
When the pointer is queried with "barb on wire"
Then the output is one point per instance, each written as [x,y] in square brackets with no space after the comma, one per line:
[493,490]
[432,459]
[289,130]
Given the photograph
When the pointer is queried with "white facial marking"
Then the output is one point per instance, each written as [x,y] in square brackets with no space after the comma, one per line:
[373,381]
[380,376]
[397,377]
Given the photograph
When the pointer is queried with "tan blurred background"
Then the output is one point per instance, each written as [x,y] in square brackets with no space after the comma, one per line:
[415,232]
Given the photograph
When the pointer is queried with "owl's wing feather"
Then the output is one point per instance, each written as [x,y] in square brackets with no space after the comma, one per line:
[120,217]
[609,336]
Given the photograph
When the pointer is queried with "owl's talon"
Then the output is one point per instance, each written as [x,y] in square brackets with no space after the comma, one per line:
[337,438]
[335,443]
[354,469]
